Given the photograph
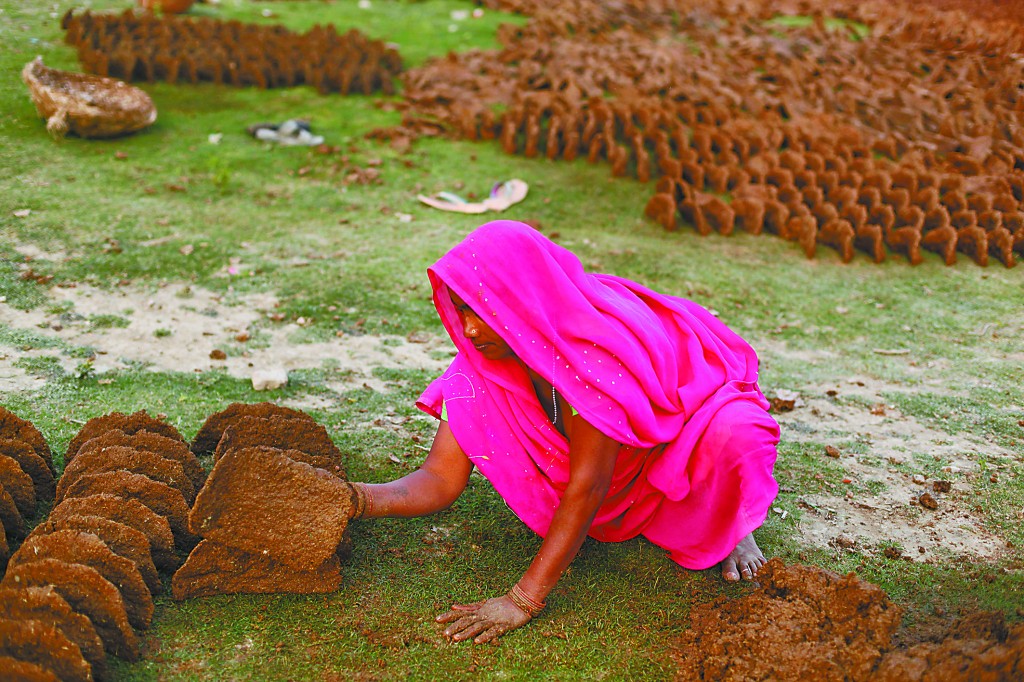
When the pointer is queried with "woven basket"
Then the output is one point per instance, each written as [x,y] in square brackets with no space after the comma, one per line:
[88,106]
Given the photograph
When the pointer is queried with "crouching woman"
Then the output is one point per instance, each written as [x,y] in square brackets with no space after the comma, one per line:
[594,406]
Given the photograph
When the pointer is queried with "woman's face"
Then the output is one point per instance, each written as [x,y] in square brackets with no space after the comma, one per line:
[483,338]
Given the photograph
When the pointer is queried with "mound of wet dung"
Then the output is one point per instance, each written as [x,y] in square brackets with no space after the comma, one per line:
[121,539]
[45,604]
[37,642]
[129,512]
[118,457]
[169,448]
[75,547]
[805,623]
[286,434]
[127,423]
[262,501]
[161,498]
[216,424]
[88,593]
[32,464]
[213,568]
[980,647]
[13,427]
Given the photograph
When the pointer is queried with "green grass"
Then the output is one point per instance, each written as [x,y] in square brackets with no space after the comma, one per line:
[286,220]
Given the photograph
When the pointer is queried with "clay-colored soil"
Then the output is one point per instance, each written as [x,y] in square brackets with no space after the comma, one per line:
[32,464]
[119,457]
[168,448]
[121,539]
[46,604]
[216,424]
[37,642]
[75,547]
[88,593]
[261,501]
[131,513]
[213,568]
[128,423]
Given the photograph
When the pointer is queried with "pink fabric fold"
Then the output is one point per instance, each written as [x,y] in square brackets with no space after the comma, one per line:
[659,374]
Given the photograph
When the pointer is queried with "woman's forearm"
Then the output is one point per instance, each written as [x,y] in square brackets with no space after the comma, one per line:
[565,536]
[417,494]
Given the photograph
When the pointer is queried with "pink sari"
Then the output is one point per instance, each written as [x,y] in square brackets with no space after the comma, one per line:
[659,374]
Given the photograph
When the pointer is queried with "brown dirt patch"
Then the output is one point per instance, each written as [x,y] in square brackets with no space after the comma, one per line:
[46,604]
[10,517]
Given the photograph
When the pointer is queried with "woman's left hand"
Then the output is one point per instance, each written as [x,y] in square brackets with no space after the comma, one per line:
[483,620]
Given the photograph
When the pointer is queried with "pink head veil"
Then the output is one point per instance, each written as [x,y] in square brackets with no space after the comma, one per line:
[634,363]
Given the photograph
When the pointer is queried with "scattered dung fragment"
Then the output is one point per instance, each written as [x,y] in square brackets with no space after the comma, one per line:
[122,540]
[23,671]
[14,428]
[213,568]
[119,457]
[942,486]
[19,485]
[46,604]
[168,448]
[88,593]
[128,423]
[32,464]
[213,428]
[980,647]
[285,434]
[161,498]
[131,513]
[261,501]
[805,623]
[76,547]
[10,517]
[34,641]
[927,501]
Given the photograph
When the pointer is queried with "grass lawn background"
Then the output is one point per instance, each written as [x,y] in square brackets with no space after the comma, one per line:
[616,612]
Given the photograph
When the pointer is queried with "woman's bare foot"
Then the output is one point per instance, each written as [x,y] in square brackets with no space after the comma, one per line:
[744,561]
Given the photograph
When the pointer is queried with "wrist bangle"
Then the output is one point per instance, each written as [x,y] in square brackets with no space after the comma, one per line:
[524,602]
[362,500]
